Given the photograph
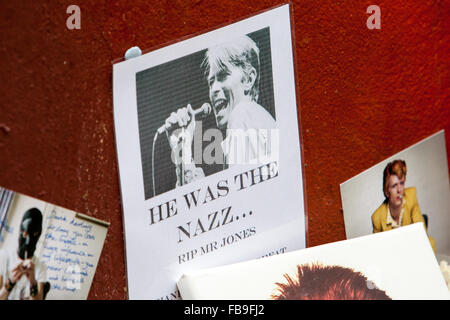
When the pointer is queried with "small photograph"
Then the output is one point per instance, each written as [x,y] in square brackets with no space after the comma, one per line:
[322,282]
[46,252]
[411,186]
[205,112]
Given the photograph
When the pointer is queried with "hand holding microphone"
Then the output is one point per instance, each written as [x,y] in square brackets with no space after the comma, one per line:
[180,126]
[184,116]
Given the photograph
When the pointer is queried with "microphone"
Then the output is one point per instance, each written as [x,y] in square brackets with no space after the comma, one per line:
[201,112]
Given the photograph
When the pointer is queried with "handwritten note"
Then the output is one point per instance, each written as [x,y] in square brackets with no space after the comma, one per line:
[71,249]
[70,244]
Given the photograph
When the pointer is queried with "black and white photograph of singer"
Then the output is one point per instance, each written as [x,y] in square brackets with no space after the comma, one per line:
[244,131]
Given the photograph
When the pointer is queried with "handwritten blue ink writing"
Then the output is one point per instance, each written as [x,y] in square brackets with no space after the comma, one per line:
[73,252]
[64,288]
[76,234]
[81,225]
[66,259]
[50,248]
[89,236]
[64,231]
[49,236]
[61,218]
[53,268]
[68,241]
[73,280]
[66,251]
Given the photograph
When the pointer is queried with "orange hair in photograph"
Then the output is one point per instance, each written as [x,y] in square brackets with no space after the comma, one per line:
[317,282]
[396,167]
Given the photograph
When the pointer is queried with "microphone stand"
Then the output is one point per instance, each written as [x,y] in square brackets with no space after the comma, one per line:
[180,166]
[182,162]
[153,163]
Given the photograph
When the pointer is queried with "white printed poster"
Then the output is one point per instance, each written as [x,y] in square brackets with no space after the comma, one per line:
[209,152]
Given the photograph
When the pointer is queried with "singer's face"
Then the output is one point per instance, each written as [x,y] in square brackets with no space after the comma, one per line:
[226,90]
[395,190]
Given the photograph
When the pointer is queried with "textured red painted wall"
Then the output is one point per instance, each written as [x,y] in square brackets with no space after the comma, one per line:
[363,96]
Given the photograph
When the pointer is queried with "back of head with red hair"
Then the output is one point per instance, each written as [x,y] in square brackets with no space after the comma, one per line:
[317,282]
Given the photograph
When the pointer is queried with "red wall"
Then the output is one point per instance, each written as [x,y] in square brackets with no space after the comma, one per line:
[363,96]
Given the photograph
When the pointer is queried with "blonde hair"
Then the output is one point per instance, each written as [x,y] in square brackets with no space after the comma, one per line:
[242,52]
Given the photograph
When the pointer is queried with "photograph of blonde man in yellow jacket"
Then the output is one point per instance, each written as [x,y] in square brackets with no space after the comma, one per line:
[400,207]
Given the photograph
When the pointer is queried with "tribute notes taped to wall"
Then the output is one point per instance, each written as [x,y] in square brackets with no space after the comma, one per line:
[70,244]
[71,250]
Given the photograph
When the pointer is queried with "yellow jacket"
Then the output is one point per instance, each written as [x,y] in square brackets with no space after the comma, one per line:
[411,214]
